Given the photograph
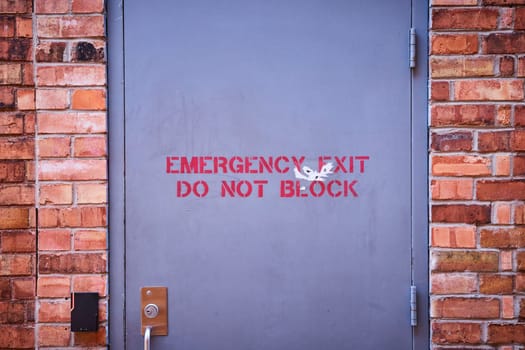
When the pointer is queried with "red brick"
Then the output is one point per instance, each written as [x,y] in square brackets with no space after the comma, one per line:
[452,141]
[93,216]
[463,261]
[503,237]
[72,169]
[11,172]
[16,336]
[489,90]
[52,99]
[15,6]
[519,115]
[502,165]
[500,190]
[7,97]
[507,305]
[452,44]
[468,19]
[91,193]
[520,283]
[56,194]
[499,141]
[520,258]
[7,26]
[506,66]
[47,217]
[53,335]
[93,263]
[71,123]
[517,140]
[18,49]
[454,237]
[520,18]
[17,195]
[55,311]
[90,147]
[461,166]
[70,26]
[506,333]
[506,20]
[54,286]
[18,242]
[69,217]
[16,265]
[456,333]
[27,74]
[50,52]
[17,148]
[54,240]
[71,75]
[11,124]
[495,284]
[465,308]
[25,99]
[89,99]
[51,7]
[501,213]
[13,218]
[54,147]
[453,283]
[24,288]
[461,67]
[88,6]
[452,189]
[463,115]
[90,283]
[440,91]
[506,260]
[90,240]
[504,43]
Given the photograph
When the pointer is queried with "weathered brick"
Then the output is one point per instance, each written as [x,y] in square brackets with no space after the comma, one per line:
[7,26]
[49,336]
[91,193]
[14,218]
[506,333]
[499,141]
[90,283]
[70,26]
[83,6]
[18,242]
[500,190]
[461,166]
[503,237]
[56,194]
[16,264]
[72,263]
[50,52]
[495,284]
[24,288]
[454,237]
[517,141]
[18,49]
[489,90]
[17,148]
[468,19]
[90,240]
[90,147]
[54,286]
[463,261]
[11,171]
[504,43]
[7,98]
[506,66]
[72,169]
[465,308]
[54,311]
[463,115]
[461,67]
[10,73]
[15,6]
[52,98]
[456,333]
[452,44]
[93,216]
[461,213]
[71,75]
[452,189]
[440,91]
[17,195]
[72,123]
[452,141]
[16,336]
[91,338]
[51,7]
[25,99]
[54,239]
[11,123]
[54,147]
[88,51]
[453,283]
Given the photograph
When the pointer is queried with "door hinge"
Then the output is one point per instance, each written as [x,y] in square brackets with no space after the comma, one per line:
[412,48]
[413,306]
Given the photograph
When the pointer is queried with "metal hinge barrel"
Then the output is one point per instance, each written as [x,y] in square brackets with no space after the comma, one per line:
[413,306]
[412,48]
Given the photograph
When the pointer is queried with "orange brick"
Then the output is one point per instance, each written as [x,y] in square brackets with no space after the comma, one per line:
[70,26]
[72,123]
[25,99]
[454,283]
[54,147]
[454,237]
[13,218]
[461,67]
[53,335]
[54,240]
[461,166]
[24,27]
[72,169]
[55,311]
[465,308]
[17,195]
[452,44]
[56,194]
[54,286]
[501,213]
[91,193]
[52,99]
[71,75]
[89,99]
[489,90]
[90,283]
[47,217]
[90,240]
[90,147]
[91,6]
[452,189]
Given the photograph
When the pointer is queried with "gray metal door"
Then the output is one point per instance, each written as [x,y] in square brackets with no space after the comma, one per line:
[268,172]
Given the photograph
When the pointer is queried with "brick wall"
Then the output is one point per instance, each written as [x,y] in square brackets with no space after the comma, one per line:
[477,111]
[52,158]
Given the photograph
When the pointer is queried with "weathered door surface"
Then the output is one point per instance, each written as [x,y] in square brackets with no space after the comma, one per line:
[268,172]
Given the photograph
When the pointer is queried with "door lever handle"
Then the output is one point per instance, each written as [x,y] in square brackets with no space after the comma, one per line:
[147,338]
